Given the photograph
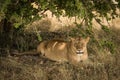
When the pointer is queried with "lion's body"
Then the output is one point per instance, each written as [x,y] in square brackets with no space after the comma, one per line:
[64,51]
[54,49]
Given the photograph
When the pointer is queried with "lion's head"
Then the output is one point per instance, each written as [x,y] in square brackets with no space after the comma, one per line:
[79,48]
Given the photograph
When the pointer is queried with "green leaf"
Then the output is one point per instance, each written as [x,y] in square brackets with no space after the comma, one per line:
[98,20]
[17,25]
[105,28]
[39,37]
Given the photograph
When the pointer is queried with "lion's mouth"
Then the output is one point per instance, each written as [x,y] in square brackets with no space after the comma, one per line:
[79,52]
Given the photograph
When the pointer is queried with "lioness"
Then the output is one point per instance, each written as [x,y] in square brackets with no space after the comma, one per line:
[72,51]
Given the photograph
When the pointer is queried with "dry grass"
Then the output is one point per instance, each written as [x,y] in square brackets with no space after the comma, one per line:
[35,68]
[102,65]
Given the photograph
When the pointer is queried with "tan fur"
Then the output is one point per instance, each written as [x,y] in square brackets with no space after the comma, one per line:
[63,51]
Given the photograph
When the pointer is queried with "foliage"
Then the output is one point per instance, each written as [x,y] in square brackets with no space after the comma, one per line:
[21,12]
[106,44]
[18,13]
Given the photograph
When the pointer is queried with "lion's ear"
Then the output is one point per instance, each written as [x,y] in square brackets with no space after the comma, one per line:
[87,39]
[78,38]
[71,39]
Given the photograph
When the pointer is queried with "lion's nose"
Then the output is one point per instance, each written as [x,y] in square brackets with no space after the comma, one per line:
[81,60]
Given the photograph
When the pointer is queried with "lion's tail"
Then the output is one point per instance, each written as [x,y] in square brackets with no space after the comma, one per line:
[24,53]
